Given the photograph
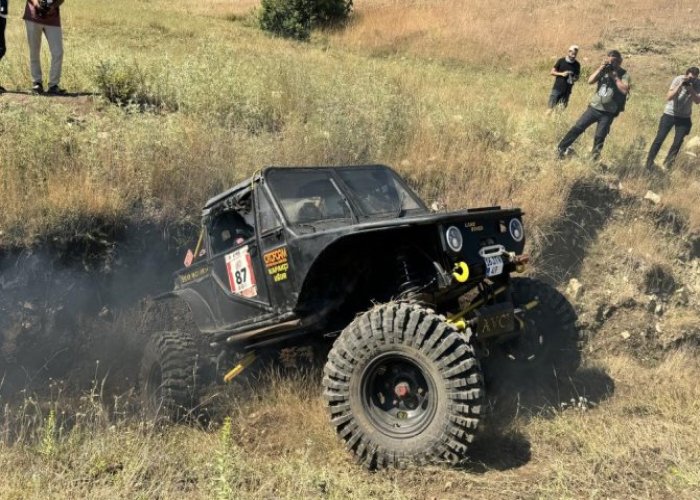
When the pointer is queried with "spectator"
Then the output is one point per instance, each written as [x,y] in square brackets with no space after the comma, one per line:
[612,86]
[3,22]
[684,91]
[566,72]
[44,16]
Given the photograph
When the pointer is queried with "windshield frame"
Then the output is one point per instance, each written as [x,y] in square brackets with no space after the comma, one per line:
[349,196]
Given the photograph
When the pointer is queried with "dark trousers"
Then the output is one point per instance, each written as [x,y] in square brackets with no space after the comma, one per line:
[559,97]
[588,118]
[3,49]
[667,122]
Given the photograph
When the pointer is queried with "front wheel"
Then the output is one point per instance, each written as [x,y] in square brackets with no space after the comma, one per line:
[403,386]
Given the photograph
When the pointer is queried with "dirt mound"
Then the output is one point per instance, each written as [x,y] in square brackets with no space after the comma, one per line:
[630,267]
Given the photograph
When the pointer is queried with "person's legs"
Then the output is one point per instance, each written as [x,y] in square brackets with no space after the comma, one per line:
[34,31]
[3,49]
[54,35]
[588,118]
[665,125]
[601,132]
[554,98]
[683,126]
[564,99]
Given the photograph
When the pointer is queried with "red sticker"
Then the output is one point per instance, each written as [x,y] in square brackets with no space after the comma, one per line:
[189,257]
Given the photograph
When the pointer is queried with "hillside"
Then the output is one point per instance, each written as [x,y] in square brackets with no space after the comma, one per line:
[100,201]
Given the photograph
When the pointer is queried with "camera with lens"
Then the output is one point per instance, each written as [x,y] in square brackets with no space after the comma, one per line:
[608,67]
[44,7]
[686,83]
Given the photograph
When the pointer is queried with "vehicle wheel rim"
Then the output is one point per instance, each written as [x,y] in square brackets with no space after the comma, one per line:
[399,394]
[530,343]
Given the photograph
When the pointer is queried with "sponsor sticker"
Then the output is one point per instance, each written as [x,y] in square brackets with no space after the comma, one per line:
[193,275]
[239,267]
[277,263]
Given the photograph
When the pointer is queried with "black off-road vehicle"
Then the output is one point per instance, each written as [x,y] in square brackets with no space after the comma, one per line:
[415,298]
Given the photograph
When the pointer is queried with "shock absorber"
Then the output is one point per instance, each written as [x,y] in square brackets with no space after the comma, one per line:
[407,276]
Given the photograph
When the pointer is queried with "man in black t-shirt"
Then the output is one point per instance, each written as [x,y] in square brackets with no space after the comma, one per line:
[565,72]
[613,85]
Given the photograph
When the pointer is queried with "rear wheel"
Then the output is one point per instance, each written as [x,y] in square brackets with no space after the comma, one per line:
[549,338]
[403,386]
[170,375]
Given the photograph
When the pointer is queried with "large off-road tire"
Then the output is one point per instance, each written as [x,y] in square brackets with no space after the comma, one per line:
[550,343]
[403,386]
[170,375]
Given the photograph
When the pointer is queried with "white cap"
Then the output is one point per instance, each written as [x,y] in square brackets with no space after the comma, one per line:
[574,48]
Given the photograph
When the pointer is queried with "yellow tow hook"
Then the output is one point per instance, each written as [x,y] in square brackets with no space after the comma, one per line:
[242,365]
[461,271]
[460,325]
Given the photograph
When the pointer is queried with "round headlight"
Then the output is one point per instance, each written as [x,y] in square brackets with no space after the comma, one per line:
[454,238]
[516,229]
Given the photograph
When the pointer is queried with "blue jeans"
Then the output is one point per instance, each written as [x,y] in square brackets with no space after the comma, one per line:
[588,118]
[667,122]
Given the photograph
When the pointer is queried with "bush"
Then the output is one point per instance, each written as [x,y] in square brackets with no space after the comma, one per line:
[119,83]
[296,18]
[126,84]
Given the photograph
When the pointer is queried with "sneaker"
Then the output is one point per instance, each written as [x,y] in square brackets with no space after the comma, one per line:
[563,153]
[56,90]
[37,88]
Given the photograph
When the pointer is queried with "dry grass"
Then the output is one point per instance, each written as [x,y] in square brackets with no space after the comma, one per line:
[515,34]
[631,436]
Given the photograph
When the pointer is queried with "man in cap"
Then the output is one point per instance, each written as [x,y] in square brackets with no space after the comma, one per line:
[565,72]
[612,87]
[684,91]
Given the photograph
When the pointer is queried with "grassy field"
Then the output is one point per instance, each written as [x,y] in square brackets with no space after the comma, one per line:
[466,130]
[453,95]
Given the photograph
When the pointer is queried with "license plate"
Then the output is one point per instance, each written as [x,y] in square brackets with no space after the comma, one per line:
[495,320]
[494,265]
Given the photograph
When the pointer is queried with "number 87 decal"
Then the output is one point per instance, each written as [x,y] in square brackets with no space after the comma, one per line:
[239,267]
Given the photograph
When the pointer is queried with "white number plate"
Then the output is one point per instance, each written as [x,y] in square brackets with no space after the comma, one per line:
[241,278]
[494,265]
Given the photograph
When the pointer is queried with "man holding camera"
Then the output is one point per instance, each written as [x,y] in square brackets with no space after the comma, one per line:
[565,72]
[44,16]
[612,86]
[3,22]
[684,91]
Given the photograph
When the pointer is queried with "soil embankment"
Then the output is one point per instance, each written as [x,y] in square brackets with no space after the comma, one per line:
[69,307]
